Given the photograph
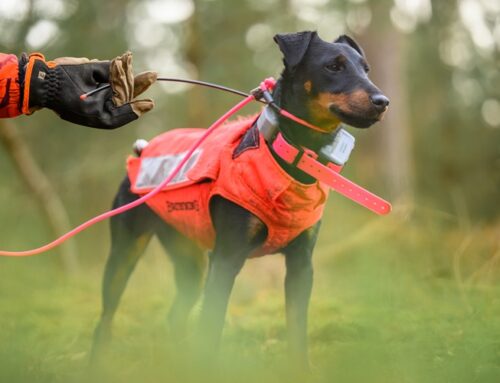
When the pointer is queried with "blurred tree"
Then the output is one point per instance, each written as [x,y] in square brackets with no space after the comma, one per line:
[385,48]
[41,189]
[449,79]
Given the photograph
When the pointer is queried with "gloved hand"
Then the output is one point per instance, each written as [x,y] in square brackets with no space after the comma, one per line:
[58,84]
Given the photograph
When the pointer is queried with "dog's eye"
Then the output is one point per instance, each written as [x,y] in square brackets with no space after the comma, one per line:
[334,67]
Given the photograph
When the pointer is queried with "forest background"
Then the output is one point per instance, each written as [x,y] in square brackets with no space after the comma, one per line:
[411,297]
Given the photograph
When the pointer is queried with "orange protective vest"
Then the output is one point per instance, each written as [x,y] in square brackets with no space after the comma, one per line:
[235,163]
[10,92]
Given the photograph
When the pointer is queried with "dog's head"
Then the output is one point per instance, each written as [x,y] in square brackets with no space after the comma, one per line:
[329,81]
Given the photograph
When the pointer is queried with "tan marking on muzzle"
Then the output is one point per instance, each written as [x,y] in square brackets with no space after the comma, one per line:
[320,114]
[355,102]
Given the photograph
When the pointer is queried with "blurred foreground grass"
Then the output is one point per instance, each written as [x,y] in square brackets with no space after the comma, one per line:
[396,299]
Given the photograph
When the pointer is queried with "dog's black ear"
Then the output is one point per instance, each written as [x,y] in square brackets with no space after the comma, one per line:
[294,47]
[344,39]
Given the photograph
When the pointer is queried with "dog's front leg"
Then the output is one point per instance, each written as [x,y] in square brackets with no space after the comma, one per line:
[232,246]
[298,286]
[224,267]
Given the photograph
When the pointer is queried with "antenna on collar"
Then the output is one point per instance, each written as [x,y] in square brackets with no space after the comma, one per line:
[267,123]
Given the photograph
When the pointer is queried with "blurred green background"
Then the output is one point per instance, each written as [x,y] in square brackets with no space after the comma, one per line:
[412,297]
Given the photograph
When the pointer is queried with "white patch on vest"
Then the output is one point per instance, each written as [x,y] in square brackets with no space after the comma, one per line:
[154,170]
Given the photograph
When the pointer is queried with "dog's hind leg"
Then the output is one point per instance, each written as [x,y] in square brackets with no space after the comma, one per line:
[189,266]
[130,234]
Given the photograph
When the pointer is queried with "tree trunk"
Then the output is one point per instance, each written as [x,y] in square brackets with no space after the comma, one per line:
[42,190]
[385,48]
[193,52]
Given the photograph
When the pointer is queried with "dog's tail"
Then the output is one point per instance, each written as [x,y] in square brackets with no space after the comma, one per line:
[139,146]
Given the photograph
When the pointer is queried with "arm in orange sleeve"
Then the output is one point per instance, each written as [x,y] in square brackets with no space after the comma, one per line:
[10,86]
[31,83]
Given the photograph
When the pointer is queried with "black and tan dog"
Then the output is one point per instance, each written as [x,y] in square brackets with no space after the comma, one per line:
[323,83]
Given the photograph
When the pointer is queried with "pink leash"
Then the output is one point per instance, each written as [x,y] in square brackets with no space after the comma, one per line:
[137,202]
[307,163]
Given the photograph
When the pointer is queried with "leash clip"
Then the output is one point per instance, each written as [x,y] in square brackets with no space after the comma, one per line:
[258,94]
[263,91]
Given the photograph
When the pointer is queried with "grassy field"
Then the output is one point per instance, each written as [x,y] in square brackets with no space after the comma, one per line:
[406,298]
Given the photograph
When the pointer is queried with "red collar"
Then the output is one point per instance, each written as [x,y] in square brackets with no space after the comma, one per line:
[306,160]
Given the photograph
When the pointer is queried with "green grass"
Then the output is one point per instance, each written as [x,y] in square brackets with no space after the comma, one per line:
[395,300]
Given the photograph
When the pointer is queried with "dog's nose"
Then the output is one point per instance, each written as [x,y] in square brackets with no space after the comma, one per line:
[380,101]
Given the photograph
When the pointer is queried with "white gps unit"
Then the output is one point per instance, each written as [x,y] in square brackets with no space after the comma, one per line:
[340,149]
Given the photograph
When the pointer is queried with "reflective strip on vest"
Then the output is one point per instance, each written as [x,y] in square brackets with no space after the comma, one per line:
[154,170]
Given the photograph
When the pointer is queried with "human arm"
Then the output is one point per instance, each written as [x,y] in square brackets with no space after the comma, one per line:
[35,83]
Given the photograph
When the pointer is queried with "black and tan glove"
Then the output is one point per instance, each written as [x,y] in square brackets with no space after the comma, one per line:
[58,85]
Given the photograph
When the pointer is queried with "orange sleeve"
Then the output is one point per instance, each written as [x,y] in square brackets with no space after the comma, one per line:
[10,90]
